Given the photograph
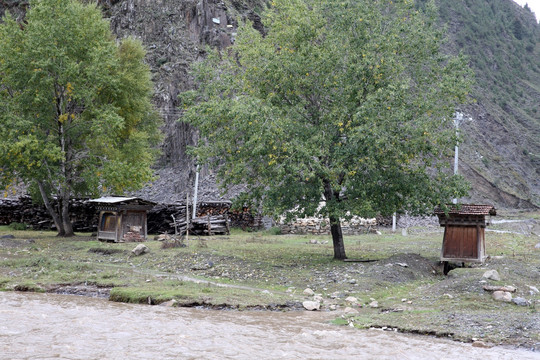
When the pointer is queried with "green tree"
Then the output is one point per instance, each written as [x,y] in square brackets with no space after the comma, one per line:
[75,110]
[345,102]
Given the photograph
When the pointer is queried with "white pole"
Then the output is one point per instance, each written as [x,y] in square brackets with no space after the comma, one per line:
[458,117]
[196,188]
[394,222]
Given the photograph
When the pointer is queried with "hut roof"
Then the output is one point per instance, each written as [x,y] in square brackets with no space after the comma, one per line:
[467,209]
[118,200]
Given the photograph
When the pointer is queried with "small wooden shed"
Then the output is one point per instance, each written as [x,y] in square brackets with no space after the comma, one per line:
[122,219]
[464,232]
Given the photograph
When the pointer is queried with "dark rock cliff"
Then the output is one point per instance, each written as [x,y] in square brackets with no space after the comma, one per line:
[501,150]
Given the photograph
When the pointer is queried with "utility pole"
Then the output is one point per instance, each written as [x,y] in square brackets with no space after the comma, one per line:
[458,118]
[195,192]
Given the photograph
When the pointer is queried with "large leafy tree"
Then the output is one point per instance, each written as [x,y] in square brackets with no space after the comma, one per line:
[75,110]
[348,103]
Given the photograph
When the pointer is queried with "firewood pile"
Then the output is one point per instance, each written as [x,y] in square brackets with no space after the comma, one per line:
[204,225]
[85,216]
[319,226]
[159,218]
[23,210]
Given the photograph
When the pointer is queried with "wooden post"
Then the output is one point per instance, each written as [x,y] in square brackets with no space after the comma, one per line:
[227,224]
[187,217]
[209,226]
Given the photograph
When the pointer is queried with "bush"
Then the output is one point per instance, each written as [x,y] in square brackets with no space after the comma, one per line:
[18,226]
[276,230]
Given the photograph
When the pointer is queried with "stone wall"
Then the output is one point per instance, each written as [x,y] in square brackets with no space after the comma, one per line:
[319,226]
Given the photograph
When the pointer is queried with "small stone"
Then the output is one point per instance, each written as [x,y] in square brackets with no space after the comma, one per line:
[492,275]
[311,305]
[448,296]
[313,241]
[378,232]
[169,303]
[291,289]
[8,236]
[537,246]
[502,296]
[402,265]
[480,344]
[352,281]
[374,304]
[140,249]
[520,301]
[534,289]
[351,299]
[162,237]
[350,310]
[266,292]
[318,298]
[309,292]
[333,307]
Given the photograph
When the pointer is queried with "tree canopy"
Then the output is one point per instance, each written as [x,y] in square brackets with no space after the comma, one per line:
[348,103]
[75,110]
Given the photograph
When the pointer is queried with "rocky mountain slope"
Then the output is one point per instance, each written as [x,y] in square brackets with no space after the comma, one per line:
[500,154]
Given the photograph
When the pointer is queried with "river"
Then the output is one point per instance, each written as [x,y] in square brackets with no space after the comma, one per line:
[50,326]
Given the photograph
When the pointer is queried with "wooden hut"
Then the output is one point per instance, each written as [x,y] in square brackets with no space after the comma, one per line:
[122,219]
[464,230]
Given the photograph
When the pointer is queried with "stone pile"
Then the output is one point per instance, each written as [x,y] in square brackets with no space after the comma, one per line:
[133,235]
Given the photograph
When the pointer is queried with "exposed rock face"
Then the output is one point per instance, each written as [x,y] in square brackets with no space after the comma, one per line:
[499,153]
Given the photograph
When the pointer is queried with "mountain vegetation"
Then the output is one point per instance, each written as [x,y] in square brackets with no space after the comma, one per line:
[500,148]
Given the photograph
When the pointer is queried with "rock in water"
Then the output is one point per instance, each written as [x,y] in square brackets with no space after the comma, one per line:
[480,344]
[140,249]
[311,305]
[492,275]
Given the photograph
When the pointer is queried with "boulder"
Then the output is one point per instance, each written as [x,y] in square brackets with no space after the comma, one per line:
[520,301]
[510,289]
[502,296]
[492,275]
[311,305]
[140,249]
[350,311]
[318,298]
[374,304]
[352,300]
[309,292]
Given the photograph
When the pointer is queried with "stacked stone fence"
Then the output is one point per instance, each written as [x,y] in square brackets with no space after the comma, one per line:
[319,226]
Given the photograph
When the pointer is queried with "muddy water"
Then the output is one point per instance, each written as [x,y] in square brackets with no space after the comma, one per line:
[40,326]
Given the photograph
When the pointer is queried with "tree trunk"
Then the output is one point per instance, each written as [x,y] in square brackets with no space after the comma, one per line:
[57,221]
[335,223]
[66,221]
[337,238]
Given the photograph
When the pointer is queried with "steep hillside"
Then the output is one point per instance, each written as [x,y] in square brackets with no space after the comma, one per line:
[501,150]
